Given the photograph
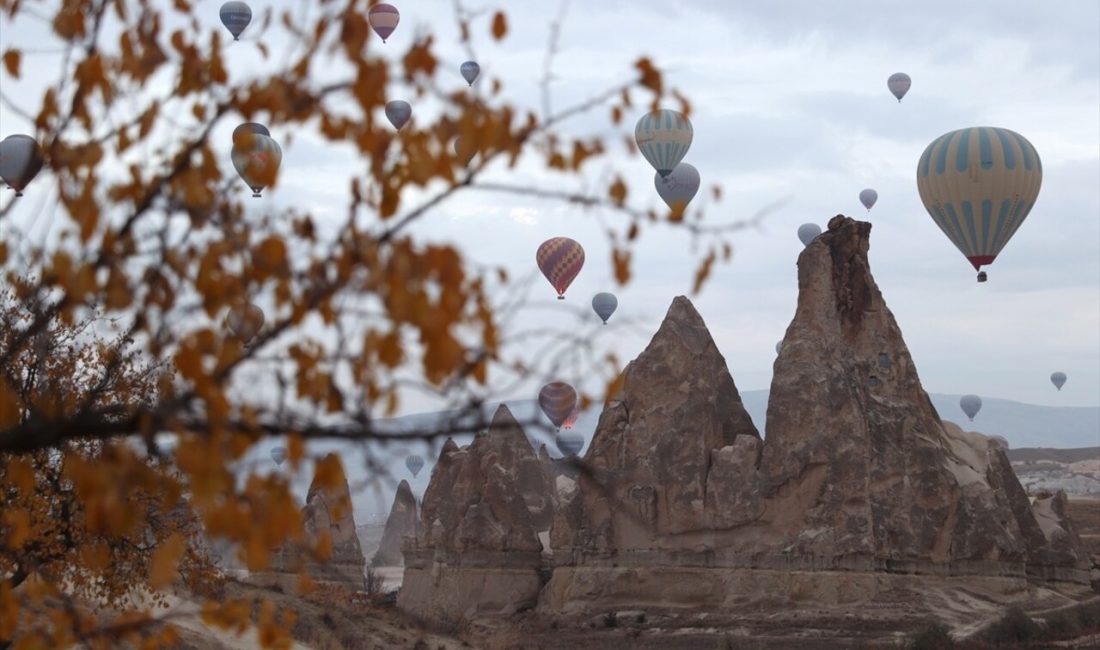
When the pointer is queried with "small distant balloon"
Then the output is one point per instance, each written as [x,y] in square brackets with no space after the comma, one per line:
[560,259]
[778,346]
[868,197]
[245,321]
[20,161]
[383,19]
[278,454]
[398,113]
[970,404]
[808,232]
[414,464]
[235,16]
[678,188]
[569,443]
[557,400]
[572,419]
[470,70]
[664,137]
[1058,379]
[899,83]
[604,305]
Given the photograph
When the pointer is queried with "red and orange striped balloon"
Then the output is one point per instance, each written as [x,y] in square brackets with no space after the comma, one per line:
[560,259]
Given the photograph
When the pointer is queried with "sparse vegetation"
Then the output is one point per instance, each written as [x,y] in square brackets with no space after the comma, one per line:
[1013,628]
[933,636]
[374,582]
[610,619]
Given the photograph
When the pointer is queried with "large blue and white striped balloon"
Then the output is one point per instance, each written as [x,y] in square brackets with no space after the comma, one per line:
[979,184]
[664,138]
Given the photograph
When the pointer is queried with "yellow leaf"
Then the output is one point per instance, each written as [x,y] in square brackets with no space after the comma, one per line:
[500,25]
[162,566]
[11,62]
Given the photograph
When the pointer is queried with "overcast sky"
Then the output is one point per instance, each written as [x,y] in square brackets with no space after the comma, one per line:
[790,103]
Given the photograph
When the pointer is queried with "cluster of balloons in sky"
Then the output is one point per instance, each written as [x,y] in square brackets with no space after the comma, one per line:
[978,184]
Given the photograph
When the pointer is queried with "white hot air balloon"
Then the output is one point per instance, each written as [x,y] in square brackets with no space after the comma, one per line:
[678,188]
[664,137]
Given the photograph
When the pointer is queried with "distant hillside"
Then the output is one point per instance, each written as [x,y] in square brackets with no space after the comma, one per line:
[1023,425]
[1036,454]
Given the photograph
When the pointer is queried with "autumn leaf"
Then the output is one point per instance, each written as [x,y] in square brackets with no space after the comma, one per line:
[617,192]
[162,566]
[500,25]
[12,58]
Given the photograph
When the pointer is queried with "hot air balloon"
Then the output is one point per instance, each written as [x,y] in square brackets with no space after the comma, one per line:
[245,321]
[899,83]
[235,16]
[465,154]
[560,259]
[278,454]
[398,113]
[470,70]
[572,419]
[970,405]
[808,232]
[242,135]
[569,443]
[663,137]
[778,346]
[20,161]
[679,187]
[979,184]
[604,304]
[557,399]
[868,197]
[414,463]
[258,162]
[1058,379]
[384,18]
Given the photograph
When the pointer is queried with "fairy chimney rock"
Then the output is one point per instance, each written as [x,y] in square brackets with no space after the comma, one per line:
[402,522]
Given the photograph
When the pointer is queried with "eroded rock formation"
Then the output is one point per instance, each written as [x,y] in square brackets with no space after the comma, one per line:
[329,511]
[402,522]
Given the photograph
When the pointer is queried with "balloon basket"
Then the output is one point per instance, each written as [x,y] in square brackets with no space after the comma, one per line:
[256,195]
[562,297]
[982,277]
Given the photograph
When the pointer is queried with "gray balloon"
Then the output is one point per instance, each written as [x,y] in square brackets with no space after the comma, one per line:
[414,464]
[899,84]
[570,443]
[278,454]
[778,346]
[470,70]
[970,404]
[398,113]
[20,161]
[679,187]
[604,304]
[1058,379]
[235,16]
[868,197]
[808,232]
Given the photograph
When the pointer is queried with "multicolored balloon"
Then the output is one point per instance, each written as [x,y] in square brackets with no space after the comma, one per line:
[470,70]
[398,113]
[242,135]
[235,16]
[979,184]
[678,188]
[899,84]
[570,444]
[257,163]
[1058,379]
[20,161]
[245,321]
[278,454]
[557,400]
[384,18]
[808,232]
[868,197]
[664,138]
[414,463]
[604,305]
[970,404]
[560,259]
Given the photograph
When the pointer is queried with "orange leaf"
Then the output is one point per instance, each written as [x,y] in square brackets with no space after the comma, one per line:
[617,192]
[703,272]
[162,566]
[500,25]
[11,62]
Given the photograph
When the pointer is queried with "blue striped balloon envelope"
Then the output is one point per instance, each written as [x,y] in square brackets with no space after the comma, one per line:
[664,138]
[979,184]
